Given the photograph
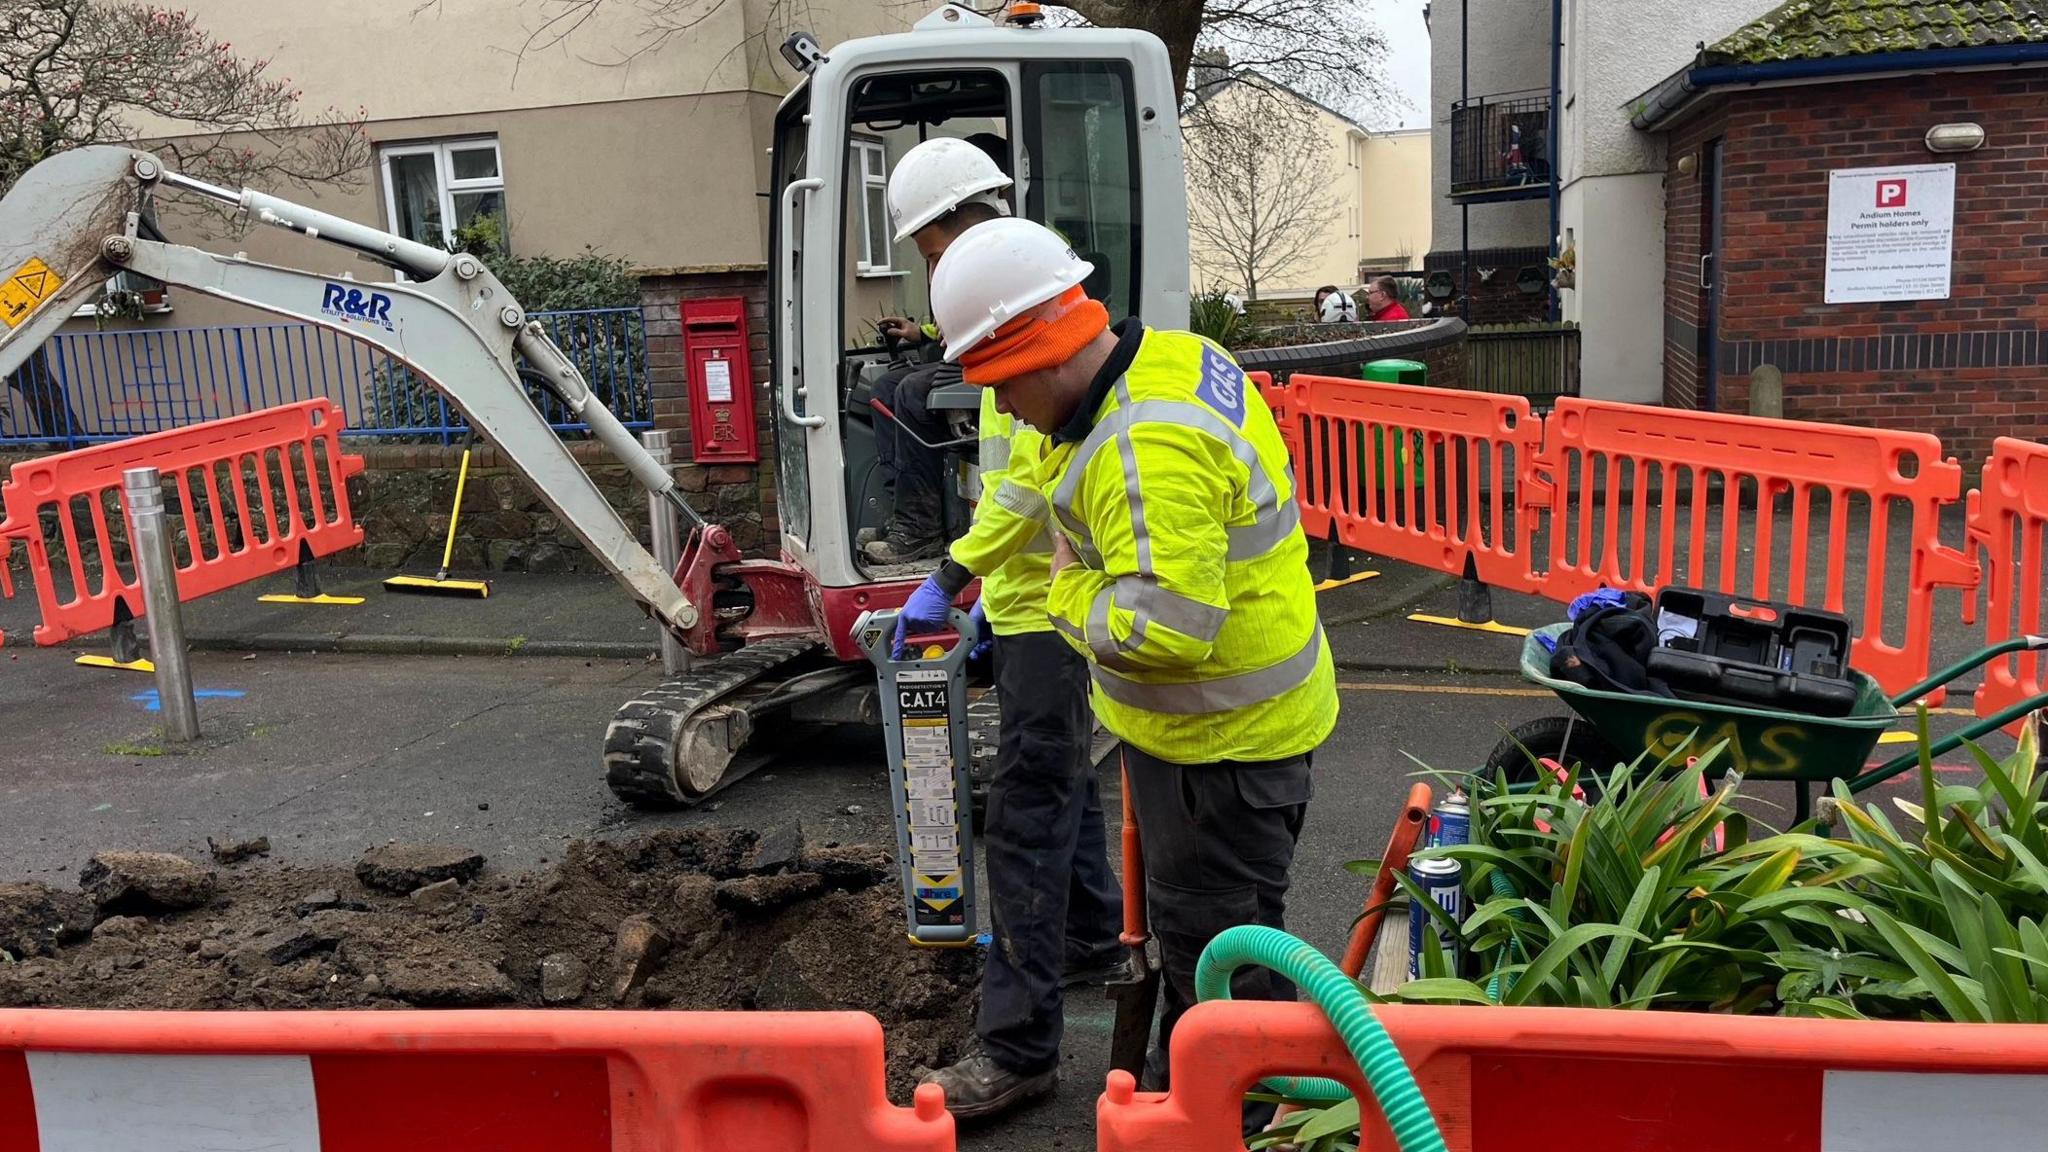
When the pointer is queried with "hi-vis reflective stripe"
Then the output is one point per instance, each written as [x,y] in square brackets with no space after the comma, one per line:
[1025,502]
[1220,695]
[1117,425]
[1275,519]
[1144,596]
[995,453]
[1149,604]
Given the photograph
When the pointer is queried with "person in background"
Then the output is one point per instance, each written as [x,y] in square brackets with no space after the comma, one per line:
[1338,308]
[1383,300]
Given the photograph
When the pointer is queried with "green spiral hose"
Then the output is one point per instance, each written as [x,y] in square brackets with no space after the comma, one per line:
[1502,886]
[1393,1086]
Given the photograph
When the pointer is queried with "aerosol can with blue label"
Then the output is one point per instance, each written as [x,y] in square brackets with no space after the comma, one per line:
[1453,820]
[1442,881]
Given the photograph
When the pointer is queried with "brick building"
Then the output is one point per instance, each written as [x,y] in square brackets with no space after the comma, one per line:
[1772,125]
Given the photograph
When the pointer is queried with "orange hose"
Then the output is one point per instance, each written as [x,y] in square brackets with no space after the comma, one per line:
[1408,831]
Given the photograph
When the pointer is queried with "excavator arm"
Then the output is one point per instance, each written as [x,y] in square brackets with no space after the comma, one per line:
[72,221]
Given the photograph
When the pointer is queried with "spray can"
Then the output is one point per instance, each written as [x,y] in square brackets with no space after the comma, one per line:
[1442,881]
[1454,819]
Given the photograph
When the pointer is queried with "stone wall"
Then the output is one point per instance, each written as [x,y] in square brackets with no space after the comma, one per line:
[405,493]
[404,496]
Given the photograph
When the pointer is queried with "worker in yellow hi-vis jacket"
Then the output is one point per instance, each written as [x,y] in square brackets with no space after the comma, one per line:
[1056,903]
[1179,572]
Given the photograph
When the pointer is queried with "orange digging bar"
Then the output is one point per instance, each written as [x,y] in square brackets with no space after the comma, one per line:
[1408,831]
[1137,996]
[1136,932]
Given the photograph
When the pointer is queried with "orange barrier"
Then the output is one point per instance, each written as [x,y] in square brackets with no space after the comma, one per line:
[510,1081]
[2008,515]
[1584,1080]
[281,470]
[1433,476]
[1601,461]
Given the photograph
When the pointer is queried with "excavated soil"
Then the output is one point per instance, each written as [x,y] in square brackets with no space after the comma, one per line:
[685,919]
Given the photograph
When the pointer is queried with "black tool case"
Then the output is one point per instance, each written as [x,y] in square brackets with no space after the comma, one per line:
[1729,650]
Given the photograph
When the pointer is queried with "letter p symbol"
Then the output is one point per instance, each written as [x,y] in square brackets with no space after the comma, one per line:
[1891,193]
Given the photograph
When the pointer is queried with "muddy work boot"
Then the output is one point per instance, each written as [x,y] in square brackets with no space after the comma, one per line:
[978,1086]
[913,533]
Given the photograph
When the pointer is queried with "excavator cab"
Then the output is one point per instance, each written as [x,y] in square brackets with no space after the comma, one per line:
[1084,121]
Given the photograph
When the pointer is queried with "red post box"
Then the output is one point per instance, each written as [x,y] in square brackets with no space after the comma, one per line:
[721,381]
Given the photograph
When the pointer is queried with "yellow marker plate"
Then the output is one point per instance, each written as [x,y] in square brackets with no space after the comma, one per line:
[142,665]
[280,598]
[24,292]
[1492,626]
[1356,578]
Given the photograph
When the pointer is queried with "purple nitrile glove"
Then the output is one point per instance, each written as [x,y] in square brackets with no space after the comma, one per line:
[984,637]
[927,611]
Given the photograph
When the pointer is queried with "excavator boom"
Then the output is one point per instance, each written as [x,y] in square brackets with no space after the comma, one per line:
[74,220]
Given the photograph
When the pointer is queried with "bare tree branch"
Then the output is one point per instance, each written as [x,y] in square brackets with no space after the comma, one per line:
[1258,186]
[81,72]
[1331,53]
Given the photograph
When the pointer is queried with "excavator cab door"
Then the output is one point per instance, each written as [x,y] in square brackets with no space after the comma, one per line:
[1084,121]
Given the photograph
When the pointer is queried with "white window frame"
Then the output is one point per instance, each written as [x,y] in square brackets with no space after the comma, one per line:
[861,150]
[443,152]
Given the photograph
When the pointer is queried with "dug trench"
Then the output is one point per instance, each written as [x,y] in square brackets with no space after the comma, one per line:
[702,918]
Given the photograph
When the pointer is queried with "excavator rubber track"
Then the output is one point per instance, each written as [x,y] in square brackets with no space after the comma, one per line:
[640,744]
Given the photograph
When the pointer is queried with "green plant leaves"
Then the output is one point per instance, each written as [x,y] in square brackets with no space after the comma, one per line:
[1631,905]
[1924,966]
[1543,969]
[1338,1118]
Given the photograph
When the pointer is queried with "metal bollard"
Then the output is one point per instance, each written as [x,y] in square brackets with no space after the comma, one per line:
[157,570]
[665,535]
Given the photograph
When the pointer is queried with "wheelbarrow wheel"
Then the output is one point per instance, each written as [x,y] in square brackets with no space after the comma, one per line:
[1565,739]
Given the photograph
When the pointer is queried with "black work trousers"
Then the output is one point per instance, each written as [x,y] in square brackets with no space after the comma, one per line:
[916,471]
[1057,904]
[1218,842]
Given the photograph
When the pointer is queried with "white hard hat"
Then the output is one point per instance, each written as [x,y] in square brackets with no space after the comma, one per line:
[995,272]
[937,177]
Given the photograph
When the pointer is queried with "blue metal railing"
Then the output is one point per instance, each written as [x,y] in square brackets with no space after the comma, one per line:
[90,387]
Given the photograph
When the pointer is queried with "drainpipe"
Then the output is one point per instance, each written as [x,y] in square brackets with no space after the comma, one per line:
[1556,308]
[1464,206]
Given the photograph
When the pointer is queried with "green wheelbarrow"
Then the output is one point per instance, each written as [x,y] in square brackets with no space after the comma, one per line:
[1609,728]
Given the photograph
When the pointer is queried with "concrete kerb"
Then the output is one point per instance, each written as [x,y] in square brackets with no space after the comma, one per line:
[372,644]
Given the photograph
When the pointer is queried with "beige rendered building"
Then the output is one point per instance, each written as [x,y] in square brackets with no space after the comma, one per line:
[604,131]
[1378,201]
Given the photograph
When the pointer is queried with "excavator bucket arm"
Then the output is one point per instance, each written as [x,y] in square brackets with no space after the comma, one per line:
[72,221]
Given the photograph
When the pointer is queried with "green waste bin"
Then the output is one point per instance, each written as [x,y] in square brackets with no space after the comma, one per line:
[1397,372]
[1394,372]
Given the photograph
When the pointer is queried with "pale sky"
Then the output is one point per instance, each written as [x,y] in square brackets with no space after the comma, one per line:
[1400,21]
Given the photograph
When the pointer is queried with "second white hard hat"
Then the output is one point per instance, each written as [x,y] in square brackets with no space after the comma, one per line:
[995,272]
[937,177]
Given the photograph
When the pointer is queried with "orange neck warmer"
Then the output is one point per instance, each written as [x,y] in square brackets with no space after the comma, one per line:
[1030,343]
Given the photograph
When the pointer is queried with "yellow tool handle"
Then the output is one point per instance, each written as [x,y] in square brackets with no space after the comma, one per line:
[461,479]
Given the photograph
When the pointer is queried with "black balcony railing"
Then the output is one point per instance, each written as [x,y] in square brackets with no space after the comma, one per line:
[1501,144]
